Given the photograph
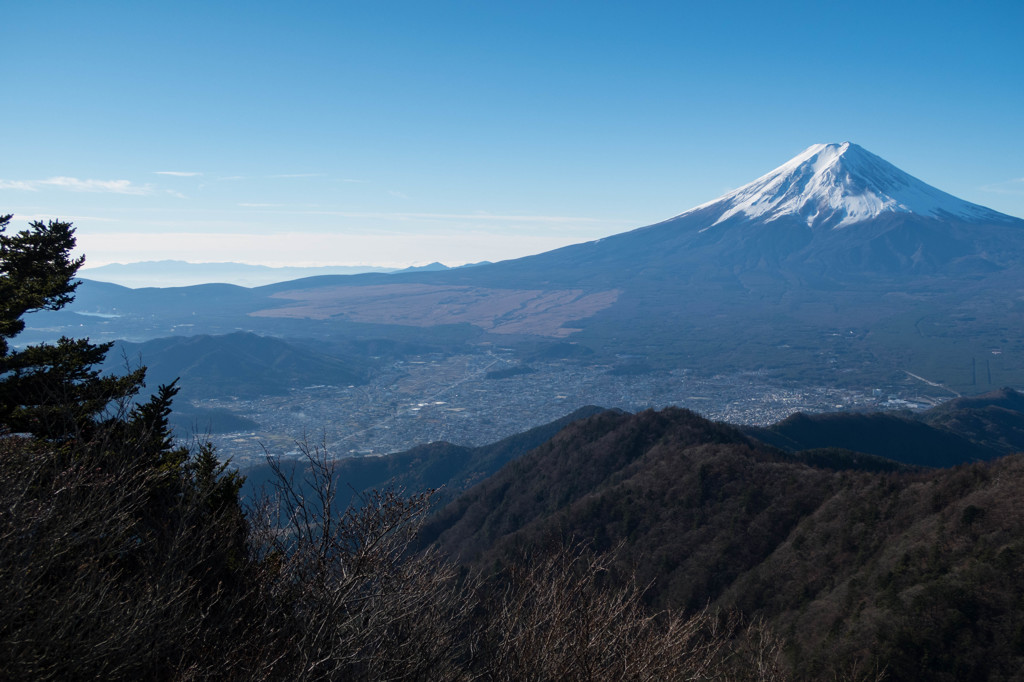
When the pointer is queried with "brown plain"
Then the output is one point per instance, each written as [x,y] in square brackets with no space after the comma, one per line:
[501,311]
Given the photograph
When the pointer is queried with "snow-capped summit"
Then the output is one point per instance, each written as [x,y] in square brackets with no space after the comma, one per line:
[836,185]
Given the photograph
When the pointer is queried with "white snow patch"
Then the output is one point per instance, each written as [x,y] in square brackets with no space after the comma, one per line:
[835,185]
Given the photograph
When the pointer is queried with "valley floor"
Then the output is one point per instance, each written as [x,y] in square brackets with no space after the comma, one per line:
[457,399]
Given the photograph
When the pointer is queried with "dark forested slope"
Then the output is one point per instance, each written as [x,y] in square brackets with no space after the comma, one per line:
[915,571]
[995,420]
[897,437]
[967,429]
[663,482]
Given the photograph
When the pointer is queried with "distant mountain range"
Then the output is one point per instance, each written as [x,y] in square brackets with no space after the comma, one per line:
[835,267]
[176,273]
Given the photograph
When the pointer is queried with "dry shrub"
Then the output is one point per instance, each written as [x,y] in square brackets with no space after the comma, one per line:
[362,605]
[111,570]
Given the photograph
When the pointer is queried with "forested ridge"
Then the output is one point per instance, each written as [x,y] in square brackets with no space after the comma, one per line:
[612,546]
[913,571]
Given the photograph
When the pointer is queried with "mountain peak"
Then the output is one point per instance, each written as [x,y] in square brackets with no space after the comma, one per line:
[836,185]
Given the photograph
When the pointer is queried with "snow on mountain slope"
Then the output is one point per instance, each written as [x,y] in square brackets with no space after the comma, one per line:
[836,185]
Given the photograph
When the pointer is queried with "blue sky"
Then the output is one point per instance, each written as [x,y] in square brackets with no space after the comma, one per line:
[396,133]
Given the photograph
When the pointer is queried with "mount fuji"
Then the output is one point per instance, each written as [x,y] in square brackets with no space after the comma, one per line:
[830,186]
[835,212]
[836,266]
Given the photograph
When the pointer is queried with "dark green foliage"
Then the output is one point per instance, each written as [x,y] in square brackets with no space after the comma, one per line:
[54,391]
[36,272]
[119,552]
[51,391]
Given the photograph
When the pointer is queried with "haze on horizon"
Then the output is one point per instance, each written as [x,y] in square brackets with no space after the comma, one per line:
[402,133]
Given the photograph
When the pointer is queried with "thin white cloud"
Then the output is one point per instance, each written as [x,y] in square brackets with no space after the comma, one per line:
[282,176]
[572,223]
[72,184]
[396,193]
[24,217]
[18,184]
[108,186]
[178,174]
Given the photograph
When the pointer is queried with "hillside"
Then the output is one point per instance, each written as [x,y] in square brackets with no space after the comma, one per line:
[648,477]
[995,420]
[897,437]
[913,571]
[961,430]
[241,364]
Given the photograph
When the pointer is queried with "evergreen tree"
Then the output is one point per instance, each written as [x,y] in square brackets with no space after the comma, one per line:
[49,390]
[122,552]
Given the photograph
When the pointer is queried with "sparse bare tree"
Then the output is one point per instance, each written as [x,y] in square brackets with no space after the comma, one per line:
[367,608]
[558,619]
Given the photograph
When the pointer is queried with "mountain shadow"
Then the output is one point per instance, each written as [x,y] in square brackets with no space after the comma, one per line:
[995,420]
[962,430]
[900,438]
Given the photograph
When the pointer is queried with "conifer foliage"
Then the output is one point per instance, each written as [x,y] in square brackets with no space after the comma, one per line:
[118,548]
[49,391]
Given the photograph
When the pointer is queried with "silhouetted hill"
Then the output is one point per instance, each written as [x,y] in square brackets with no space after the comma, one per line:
[448,468]
[653,475]
[995,420]
[241,364]
[962,430]
[884,434]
